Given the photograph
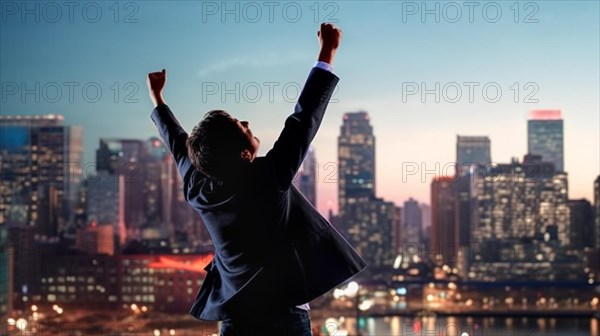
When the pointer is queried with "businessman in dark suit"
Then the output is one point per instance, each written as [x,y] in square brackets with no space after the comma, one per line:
[273,251]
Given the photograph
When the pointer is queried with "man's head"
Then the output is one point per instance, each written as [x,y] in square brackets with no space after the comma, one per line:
[219,145]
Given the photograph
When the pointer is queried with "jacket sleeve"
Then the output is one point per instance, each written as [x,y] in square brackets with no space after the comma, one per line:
[300,128]
[174,137]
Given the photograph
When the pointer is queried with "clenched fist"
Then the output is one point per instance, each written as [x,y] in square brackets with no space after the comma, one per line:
[156,83]
[329,38]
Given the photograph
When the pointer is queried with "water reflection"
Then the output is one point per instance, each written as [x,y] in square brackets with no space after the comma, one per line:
[471,326]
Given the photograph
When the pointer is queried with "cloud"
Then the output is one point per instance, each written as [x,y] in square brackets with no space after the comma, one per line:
[266,60]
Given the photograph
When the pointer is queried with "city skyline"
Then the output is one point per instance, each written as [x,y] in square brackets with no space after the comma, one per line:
[323,171]
[459,157]
[410,131]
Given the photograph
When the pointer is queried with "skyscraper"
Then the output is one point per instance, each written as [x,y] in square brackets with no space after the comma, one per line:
[356,160]
[366,220]
[412,222]
[106,202]
[41,171]
[472,151]
[545,137]
[521,223]
[124,158]
[397,229]
[158,167]
[306,178]
[597,213]
[581,227]
[444,221]
[473,155]
[426,221]
[142,174]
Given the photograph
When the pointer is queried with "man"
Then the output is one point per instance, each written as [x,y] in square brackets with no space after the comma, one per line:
[273,251]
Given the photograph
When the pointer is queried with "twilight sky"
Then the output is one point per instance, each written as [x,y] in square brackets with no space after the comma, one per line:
[251,58]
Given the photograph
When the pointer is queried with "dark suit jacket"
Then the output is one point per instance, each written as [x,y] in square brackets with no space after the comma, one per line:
[272,247]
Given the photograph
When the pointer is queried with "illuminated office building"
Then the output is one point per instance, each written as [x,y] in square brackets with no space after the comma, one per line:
[356,160]
[162,282]
[473,154]
[521,227]
[367,221]
[41,171]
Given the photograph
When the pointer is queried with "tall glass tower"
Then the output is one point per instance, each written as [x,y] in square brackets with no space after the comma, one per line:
[366,219]
[545,137]
[473,154]
[356,159]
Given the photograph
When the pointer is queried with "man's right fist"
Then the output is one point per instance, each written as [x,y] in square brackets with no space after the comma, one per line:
[329,36]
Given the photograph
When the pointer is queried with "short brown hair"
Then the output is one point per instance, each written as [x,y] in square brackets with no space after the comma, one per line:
[215,144]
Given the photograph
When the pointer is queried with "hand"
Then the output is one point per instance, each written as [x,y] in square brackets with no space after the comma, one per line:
[156,83]
[329,38]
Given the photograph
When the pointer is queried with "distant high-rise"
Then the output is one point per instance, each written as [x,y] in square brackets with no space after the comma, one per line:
[426,220]
[545,137]
[472,151]
[356,160]
[444,226]
[397,229]
[158,167]
[306,178]
[473,155]
[123,159]
[106,202]
[523,200]
[412,222]
[146,170]
[370,227]
[521,223]
[366,220]
[40,163]
[581,224]
[597,213]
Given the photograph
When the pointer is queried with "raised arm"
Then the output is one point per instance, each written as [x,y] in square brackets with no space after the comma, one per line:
[301,126]
[173,135]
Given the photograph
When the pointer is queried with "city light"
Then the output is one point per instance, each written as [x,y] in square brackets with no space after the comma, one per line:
[21,324]
[351,289]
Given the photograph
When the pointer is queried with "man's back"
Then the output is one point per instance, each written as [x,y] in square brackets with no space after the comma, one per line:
[272,248]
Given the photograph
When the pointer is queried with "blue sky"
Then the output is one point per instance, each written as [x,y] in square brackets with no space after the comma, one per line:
[384,51]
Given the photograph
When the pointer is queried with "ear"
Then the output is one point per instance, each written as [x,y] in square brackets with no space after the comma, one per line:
[246,155]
